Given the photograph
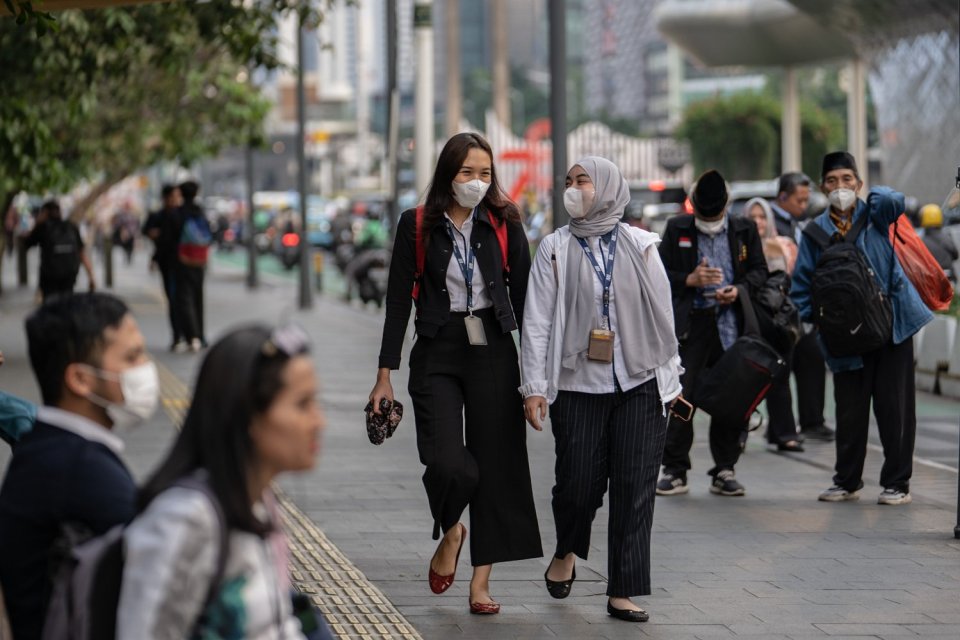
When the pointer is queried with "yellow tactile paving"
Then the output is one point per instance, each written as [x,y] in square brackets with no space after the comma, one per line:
[353,606]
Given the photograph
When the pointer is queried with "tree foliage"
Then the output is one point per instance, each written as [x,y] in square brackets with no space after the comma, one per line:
[115,90]
[739,135]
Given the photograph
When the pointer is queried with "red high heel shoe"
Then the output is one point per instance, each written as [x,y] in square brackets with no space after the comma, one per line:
[439,583]
[484,608]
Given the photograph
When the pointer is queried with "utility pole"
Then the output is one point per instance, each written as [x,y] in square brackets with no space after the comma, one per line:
[423,132]
[393,115]
[501,68]
[252,279]
[558,106]
[306,296]
[452,60]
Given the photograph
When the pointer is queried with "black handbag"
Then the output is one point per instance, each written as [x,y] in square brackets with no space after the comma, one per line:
[738,382]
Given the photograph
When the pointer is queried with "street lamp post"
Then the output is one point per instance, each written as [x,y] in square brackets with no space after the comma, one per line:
[306,296]
[558,106]
[252,279]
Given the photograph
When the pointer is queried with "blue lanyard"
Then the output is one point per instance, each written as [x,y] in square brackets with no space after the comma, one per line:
[466,266]
[606,278]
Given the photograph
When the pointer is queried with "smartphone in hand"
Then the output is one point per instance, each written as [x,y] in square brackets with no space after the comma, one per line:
[682,409]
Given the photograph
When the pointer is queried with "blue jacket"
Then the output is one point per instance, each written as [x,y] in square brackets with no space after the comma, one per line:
[883,205]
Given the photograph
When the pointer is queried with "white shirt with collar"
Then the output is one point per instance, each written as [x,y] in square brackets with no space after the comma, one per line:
[456,286]
[545,317]
[80,426]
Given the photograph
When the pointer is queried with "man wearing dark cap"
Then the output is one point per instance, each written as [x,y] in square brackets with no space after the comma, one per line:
[883,375]
[705,256]
[789,208]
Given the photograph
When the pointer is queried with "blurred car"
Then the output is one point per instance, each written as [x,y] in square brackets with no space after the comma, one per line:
[652,202]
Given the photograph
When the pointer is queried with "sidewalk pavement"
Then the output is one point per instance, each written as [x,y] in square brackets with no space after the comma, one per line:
[773,564]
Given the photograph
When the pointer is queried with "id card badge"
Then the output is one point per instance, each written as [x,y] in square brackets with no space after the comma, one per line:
[475,333]
[600,348]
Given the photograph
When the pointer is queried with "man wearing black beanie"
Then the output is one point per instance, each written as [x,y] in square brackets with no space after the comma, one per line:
[878,371]
[706,255]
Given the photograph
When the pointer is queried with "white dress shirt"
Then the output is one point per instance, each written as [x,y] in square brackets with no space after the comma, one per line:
[456,285]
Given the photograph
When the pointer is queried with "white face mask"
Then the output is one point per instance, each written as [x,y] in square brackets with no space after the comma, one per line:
[710,227]
[577,202]
[469,194]
[842,199]
[140,387]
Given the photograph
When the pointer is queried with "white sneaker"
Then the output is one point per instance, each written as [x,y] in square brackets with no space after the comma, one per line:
[837,494]
[894,497]
[196,345]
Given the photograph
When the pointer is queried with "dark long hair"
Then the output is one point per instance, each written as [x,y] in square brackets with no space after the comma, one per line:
[239,379]
[440,194]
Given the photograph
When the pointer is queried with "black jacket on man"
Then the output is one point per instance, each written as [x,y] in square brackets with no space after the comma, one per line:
[678,251]
[433,304]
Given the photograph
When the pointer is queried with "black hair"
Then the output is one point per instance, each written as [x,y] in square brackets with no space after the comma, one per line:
[167,190]
[67,329]
[52,207]
[189,191]
[216,432]
[789,182]
[440,194]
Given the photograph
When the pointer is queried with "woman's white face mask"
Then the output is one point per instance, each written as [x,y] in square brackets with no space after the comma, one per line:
[470,194]
[578,202]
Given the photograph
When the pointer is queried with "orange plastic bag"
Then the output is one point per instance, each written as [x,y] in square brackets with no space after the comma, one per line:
[920,266]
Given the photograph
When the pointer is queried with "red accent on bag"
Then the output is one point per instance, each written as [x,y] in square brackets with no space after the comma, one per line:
[499,227]
[920,266]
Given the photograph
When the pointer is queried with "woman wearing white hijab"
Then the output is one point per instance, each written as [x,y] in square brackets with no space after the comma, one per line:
[599,346]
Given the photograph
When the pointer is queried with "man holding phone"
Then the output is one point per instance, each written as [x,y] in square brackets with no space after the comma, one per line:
[706,256]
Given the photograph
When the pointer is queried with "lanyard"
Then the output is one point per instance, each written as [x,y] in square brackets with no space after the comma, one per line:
[466,266]
[606,278]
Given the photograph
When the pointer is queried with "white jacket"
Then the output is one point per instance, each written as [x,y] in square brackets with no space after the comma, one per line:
[544,319]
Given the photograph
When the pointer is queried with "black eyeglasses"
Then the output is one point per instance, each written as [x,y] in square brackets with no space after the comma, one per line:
[289,339]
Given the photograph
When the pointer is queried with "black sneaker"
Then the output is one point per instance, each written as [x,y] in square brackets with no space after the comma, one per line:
[823,433]
[725,484]
[672,484]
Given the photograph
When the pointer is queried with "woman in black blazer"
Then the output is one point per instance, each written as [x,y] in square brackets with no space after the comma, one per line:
[464,373]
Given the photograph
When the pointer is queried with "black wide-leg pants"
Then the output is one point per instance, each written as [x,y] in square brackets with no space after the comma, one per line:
[887,379]
[616,438]
[471,435]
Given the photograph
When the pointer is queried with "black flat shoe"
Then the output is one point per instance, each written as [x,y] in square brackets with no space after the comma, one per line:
[627,615]
[561,589]
[792,445]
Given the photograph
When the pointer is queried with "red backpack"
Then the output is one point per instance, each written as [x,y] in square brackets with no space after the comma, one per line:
[499,227]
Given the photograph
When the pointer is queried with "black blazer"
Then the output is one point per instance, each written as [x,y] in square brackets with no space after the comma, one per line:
[678,251]
[433,305]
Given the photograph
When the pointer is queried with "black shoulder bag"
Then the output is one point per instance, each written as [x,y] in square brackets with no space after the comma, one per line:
[734,386]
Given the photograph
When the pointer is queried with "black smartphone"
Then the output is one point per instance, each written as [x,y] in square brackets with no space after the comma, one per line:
[682,409]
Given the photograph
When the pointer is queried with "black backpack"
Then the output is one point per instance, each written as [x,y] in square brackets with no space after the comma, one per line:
[60,251]
[853,314]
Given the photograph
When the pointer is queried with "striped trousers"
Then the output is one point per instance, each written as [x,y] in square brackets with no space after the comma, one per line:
[614,438]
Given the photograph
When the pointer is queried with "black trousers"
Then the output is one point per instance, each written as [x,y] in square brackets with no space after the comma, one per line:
[168,274]
[454,384]
[614,438]
[697,352]
[782,427]
[810,370]
[189,295]
[57,286]
[887,379]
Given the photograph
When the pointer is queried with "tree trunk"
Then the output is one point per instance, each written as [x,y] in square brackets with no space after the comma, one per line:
[83,206]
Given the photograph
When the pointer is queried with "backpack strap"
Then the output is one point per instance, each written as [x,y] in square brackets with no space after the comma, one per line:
[199,481]
[817,234]
[751,326]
